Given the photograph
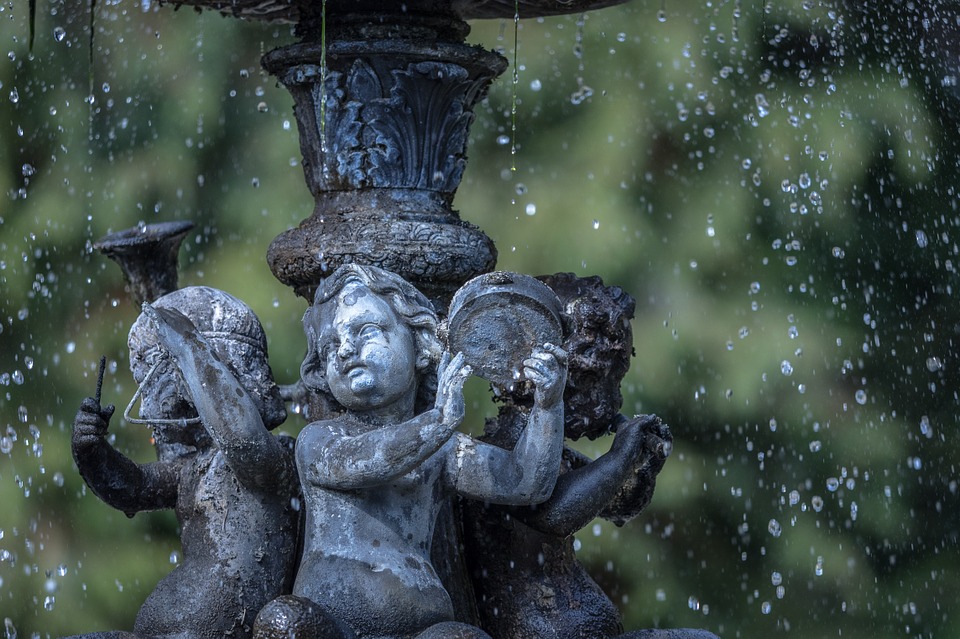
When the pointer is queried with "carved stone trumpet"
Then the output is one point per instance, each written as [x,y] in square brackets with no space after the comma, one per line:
[147,254]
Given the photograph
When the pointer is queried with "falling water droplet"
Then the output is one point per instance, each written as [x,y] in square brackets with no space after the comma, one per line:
[794,497]
[59,33]
[815,446]
[786,368]
[774,528]
[817,502]
[861,397]
[596,224]
[921,238]
[925,428]
[531,209]
[765,607]
[763,107]
[833,484]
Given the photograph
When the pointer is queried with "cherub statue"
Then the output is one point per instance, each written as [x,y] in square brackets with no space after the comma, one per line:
[200,357]
[526,577]
[375,477]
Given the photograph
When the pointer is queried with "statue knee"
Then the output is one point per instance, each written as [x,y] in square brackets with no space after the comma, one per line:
[292,617]
[453,630]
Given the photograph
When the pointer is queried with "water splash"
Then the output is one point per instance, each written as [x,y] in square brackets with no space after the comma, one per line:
[515,84]
[583,91]
[323,77]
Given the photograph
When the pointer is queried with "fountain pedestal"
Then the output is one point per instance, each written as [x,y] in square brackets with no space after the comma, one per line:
[384,109]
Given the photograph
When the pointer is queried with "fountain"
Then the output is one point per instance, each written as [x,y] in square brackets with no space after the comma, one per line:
[384,97]
[781,171]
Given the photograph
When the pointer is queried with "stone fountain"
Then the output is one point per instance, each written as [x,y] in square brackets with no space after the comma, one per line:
[384,95]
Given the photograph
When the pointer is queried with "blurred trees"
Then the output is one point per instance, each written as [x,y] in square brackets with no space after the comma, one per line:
[775,184]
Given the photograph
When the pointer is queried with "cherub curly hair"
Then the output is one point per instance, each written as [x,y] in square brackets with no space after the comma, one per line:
[410,305]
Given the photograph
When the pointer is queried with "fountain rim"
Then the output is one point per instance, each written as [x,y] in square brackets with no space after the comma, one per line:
[292,11]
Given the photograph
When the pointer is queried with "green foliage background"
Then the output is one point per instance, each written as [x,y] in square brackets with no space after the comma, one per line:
[774,183]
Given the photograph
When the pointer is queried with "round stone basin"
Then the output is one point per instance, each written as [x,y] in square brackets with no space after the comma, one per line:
[293,11]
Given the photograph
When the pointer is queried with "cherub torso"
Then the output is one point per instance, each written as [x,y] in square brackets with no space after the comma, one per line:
[367,552]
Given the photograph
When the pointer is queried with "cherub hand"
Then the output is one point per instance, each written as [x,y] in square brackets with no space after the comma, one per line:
[451,375]
[643,442]
[90,426]
[547,369]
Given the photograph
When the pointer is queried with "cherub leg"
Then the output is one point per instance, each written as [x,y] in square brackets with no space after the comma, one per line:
[109,634]
[453,630]
[292,617]
[678,633]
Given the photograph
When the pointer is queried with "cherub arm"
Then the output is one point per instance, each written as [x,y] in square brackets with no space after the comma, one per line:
[333,458]
[227,411]
[618,484]
[637,490]
[114,478]
[527,474]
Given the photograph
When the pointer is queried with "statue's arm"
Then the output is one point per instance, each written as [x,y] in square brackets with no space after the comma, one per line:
[615,483]
[227,411]
[527,474]
[114,478]
[328,455]
[636,491]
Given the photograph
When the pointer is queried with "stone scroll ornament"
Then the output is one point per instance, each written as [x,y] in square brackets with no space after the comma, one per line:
[206,390]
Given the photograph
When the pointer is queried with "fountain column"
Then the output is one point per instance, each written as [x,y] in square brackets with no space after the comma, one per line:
[384,108]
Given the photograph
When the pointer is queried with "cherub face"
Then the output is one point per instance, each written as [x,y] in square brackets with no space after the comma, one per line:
[369,354]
